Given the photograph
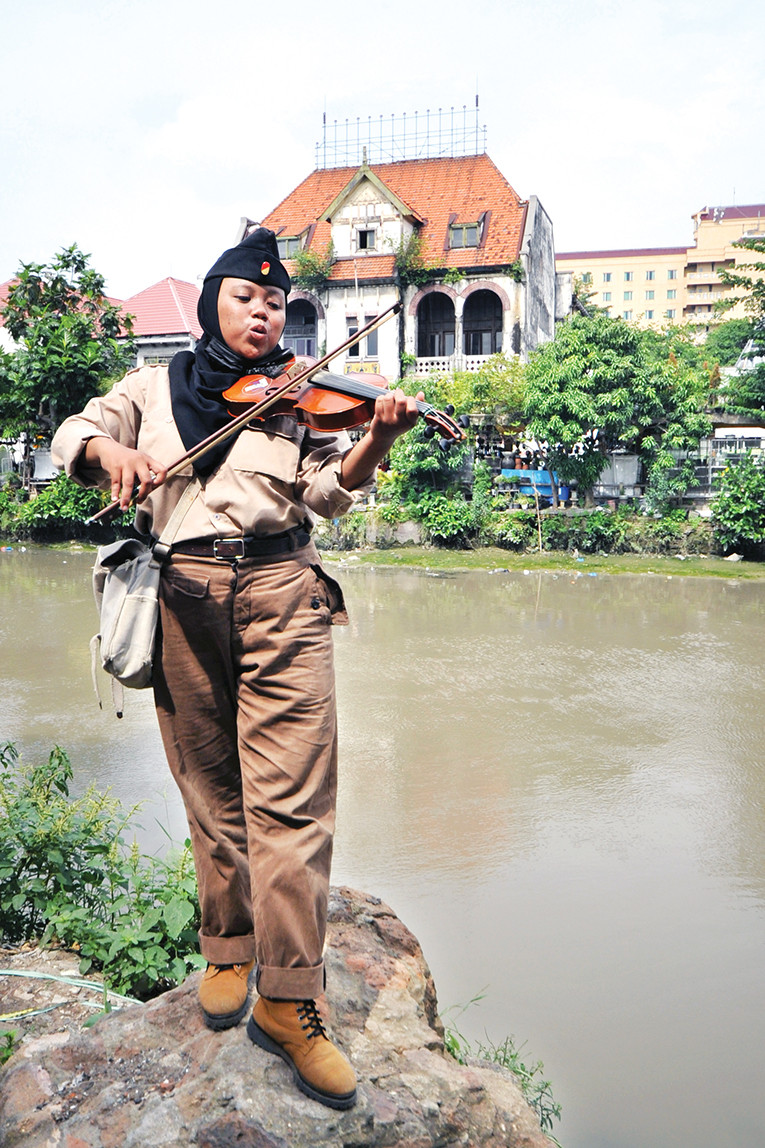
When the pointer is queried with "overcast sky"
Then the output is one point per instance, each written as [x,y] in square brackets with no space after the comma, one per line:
[143,130]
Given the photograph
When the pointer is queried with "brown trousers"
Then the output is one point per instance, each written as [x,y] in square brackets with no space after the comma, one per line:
[245,695]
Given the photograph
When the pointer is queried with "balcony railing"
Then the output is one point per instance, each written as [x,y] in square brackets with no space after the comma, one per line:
[448,363]
[702,277]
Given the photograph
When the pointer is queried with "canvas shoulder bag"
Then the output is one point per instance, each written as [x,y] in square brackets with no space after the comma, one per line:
[126,588]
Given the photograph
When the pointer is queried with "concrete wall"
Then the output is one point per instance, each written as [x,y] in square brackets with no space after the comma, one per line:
[538,259]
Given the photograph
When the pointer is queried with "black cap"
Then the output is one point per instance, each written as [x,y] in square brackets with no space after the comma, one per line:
[256,258]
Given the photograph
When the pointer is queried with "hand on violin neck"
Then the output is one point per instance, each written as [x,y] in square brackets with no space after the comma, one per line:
[395,414]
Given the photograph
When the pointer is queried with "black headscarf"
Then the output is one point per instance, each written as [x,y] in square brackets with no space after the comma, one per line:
[198,378]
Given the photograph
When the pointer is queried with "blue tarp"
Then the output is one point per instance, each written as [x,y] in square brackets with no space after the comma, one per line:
[540,480]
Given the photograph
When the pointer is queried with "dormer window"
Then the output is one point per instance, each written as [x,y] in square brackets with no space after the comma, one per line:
[365,239]
[288,245]
[464,235]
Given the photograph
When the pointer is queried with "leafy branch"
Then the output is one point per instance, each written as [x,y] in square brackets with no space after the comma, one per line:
[313,267]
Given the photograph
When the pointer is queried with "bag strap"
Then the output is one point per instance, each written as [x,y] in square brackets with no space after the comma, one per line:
[162,547]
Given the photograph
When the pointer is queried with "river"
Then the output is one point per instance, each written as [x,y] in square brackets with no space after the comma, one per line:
[554,779]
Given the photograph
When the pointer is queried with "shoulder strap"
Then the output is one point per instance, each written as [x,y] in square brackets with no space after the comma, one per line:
[164,543]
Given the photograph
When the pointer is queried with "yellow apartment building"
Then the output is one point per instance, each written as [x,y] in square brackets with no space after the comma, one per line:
[654,286]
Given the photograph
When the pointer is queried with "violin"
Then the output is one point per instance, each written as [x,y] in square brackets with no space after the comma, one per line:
[328,402]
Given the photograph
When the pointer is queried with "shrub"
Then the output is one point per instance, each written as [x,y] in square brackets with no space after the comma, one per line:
[66,875]
[449,521]
[738,513]
[601,531]
[509,529]
[59,510]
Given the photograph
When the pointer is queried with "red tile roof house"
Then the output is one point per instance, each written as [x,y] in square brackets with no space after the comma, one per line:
[492,284]
[164,320]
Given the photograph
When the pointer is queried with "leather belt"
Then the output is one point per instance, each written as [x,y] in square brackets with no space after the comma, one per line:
[232,549]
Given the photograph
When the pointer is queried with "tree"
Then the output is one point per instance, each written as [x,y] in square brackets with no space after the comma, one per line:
[495,390]
[71,340]
[748,280]
[602,384]
[725,342]
[745,392]
[584,297]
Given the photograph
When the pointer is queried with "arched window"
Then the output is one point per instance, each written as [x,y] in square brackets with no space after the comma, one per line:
[435,326]
[300,328]
[482,323]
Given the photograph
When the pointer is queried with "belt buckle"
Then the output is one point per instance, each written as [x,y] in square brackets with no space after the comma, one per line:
[226,549]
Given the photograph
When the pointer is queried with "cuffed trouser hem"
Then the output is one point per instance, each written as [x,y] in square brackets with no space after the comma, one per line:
[227,950]
[291,984]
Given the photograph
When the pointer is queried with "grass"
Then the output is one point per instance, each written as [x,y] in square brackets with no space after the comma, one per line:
[492,558]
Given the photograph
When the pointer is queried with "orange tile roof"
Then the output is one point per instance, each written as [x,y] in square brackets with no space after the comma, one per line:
[166,308]
[458,189]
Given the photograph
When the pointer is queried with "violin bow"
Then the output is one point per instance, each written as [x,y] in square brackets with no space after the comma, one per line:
[255,411]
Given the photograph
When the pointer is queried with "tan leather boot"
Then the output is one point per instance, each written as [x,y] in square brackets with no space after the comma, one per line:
[223,994]
[293,1030]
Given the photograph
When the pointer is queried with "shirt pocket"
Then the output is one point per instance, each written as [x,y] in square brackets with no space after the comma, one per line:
[273,450]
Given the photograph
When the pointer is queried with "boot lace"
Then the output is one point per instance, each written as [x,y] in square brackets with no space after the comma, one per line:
[313,1025]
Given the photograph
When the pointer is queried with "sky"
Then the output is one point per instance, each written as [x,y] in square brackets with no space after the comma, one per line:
[143,130]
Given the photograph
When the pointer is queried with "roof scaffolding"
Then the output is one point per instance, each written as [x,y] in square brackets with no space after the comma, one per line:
[423,135]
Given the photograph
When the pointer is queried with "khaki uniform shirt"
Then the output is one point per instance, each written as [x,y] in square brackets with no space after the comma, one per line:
[276,474]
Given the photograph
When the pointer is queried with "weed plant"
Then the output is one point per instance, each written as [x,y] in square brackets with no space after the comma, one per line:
[67,877]
[7,1044]
[536,1089]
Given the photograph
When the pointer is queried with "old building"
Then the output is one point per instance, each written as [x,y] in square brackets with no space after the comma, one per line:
[472,263]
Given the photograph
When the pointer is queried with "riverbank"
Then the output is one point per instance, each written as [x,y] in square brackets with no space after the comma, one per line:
[492,558]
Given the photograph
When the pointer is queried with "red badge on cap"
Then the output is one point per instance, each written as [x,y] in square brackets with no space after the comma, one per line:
[265,268]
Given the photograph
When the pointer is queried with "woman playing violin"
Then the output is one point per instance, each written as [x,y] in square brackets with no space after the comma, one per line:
[243,679]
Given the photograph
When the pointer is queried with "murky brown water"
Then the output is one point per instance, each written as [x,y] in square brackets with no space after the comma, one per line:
[555,781]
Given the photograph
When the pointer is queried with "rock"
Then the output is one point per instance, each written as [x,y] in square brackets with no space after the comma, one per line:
[154,1075]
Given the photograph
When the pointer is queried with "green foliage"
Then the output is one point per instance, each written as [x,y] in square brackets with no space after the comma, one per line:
[744,393]
[509,529]
[410,261]
[449,519]
[417,463]
[748,280]
[61,506]
[496,390]
[313,267]
[7,1044]
[67,331]
[601,384]
[66,875]
[738,512]
[725,342]
[406,361]
[666,485]
[515,271]
[453,275]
